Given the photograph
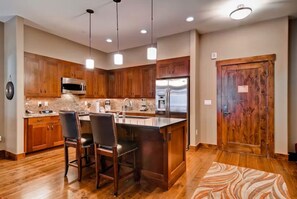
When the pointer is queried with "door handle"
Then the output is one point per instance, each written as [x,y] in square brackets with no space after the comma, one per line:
[225,110]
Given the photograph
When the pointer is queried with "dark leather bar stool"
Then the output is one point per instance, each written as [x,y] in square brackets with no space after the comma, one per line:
[73,138]
[106,143]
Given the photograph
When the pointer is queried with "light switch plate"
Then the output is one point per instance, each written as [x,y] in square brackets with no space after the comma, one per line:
[207,102]
[214,55]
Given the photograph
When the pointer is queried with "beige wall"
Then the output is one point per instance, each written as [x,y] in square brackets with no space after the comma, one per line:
[257,39]
[293,85]
[2,147]
[131,57]
[43,43]
[14,71]
[172,46]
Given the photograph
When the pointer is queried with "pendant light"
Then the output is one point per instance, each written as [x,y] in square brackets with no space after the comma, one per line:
[152,51]
[90,62]
[118,57]
[241,12]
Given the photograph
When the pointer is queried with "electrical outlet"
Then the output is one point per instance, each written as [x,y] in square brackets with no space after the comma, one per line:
[39,104]
[196,132]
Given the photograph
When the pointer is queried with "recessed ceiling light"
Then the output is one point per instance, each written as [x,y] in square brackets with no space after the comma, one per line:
[189,19]
[109,40]
[241,12]
[143,31]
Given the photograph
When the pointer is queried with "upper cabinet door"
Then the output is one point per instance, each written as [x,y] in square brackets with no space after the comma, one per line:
[72,70]
[148,81]
[50,78]
[100,83]
[90,84]
[33,63]
[176,67]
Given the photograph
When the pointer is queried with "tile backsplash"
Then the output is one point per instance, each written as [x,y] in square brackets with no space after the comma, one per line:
[73,102]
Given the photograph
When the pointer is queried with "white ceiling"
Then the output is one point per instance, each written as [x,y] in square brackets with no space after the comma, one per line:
[67,18]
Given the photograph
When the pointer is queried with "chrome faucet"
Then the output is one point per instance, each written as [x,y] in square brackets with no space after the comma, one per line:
[125,106]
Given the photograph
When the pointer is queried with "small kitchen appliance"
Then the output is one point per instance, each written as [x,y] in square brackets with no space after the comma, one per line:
[143,106]
[107,105]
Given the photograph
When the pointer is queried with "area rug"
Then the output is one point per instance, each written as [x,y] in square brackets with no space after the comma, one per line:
[227,181]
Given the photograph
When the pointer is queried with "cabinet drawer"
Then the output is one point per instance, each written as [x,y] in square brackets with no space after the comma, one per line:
[38,120]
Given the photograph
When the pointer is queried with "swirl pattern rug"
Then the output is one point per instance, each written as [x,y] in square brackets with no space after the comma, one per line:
[227,181]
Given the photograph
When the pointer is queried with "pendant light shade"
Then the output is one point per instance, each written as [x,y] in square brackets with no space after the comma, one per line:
[241,12]
[90,64]
[117,57]
[89,61]
[152,51]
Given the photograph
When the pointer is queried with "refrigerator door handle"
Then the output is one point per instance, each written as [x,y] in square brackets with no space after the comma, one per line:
[168,103]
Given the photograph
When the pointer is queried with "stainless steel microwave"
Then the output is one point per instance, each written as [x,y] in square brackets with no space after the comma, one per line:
[74,86]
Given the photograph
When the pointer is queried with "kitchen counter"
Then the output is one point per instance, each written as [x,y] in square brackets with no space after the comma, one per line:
[152,122]
[135,112]
[40,115]
[161,154]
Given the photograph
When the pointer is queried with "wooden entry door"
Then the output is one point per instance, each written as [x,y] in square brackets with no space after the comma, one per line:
[245,95]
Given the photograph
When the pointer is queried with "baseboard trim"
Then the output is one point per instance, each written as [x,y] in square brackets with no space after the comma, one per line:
[193,148]
[2,154]
[202,145]
[12,156]
[208,146]
[279,156]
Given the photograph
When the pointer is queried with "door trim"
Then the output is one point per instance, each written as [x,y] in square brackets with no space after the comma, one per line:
[268,59]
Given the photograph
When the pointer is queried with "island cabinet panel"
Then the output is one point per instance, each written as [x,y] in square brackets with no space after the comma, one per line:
[41,76]
[176,67]
[42,133]
[148,81]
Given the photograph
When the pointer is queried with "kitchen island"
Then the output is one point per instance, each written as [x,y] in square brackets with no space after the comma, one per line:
[161,157]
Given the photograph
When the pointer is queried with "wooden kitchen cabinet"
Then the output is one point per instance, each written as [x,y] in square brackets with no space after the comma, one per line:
[133,82]
[100,83]
[42,133]
[148,81]
[72,70]
[41,76]
[176,67]
[116,84]
[89,78]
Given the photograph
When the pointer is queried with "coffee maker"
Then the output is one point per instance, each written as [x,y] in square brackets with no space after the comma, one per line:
[143,106]
[107,105]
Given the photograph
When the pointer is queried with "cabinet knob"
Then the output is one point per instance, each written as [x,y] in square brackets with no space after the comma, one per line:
[40,90]
[52,127]
[44,91]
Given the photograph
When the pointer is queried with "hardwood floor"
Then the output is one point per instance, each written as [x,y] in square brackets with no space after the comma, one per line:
[41,176]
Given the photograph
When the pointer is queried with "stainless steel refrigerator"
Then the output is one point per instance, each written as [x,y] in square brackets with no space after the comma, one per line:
[172,99]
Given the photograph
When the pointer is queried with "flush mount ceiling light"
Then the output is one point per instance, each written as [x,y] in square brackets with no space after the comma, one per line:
[241,12]
[152,51]
[108,40]
[118,57]
[90,62]
[190,19]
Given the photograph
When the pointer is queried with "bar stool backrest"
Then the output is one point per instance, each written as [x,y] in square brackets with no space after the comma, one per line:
[70,124]
[104,129]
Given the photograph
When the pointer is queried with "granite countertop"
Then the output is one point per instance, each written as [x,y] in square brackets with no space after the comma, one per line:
[153,122]
[132,111]
[32,115]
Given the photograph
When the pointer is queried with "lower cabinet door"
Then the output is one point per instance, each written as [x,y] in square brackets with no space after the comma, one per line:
[56,137]
[37,137]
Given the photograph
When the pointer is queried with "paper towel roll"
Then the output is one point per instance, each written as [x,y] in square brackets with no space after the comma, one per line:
[97,106]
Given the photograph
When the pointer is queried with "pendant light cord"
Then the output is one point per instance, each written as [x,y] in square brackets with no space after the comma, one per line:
[90,36]
[152,19]
[117,16]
